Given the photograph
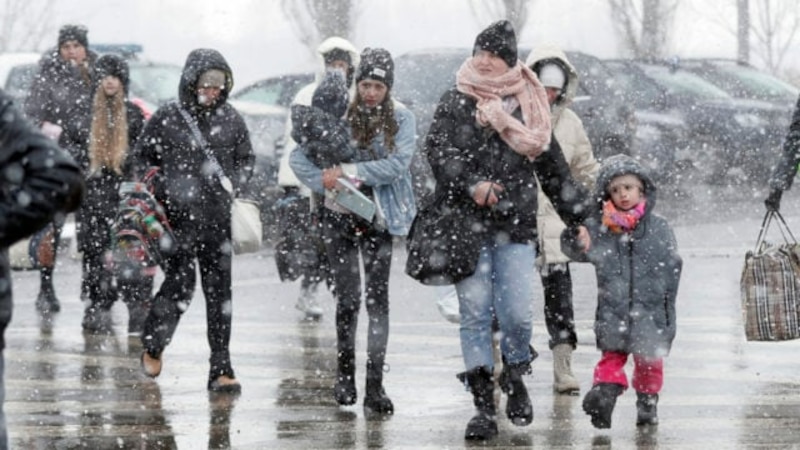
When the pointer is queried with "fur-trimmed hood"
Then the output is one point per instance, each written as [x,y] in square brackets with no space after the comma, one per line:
[550,53]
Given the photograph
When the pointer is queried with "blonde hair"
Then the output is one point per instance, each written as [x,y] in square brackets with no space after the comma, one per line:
[108,140]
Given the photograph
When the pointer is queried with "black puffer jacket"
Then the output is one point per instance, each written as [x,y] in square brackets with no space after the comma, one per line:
[37,181]
[461,154]
[187,187]
[637,273]
[61,94]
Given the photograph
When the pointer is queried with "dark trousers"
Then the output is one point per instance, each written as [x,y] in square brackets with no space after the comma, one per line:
[97,279]
[558,311]
[175,294]
[347,237]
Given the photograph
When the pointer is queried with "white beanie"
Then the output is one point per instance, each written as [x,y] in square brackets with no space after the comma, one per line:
[553,76]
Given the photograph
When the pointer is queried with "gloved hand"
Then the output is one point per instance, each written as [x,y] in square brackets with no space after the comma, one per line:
[773,201]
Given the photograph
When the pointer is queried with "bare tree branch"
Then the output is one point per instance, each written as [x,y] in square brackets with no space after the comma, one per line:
[515,11]
[644,26]
[316,20]
[24,24]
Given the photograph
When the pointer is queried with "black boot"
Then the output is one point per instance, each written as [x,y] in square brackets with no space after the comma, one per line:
[345,389]
[97,320]
[483,425]
[46,301]
[646,409]
[375,398]
[599,403]
[518,405]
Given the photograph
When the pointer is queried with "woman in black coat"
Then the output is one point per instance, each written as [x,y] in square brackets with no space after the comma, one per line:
[198,201]
[115,126]
[59,103]
[489,141]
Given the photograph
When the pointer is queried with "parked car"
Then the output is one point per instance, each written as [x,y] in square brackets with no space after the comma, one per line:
[724,132]
[278,90]
[16,74]
[742,80]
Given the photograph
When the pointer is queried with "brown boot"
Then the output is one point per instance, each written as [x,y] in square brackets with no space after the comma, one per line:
[151,366]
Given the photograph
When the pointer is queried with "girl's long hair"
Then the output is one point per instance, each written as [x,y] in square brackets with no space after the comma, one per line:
[365,123]
[108,140]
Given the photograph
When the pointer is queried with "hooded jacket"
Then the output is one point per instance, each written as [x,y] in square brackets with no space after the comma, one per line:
[191,194]
[638,273]
[61,95]
[286,177]
[36,170]
[568,130]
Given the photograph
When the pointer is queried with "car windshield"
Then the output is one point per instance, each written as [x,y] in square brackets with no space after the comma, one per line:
[415,82]
[155,83]
[681,82]
[757,84]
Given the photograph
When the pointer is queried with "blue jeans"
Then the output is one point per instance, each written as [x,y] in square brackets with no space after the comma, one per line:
[501,286]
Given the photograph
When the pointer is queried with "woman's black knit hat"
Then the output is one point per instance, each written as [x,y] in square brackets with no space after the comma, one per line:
[73,33]
[114,66]
[376,64]
[500,39]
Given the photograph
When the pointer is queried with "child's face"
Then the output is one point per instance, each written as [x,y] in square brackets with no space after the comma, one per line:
[625,191]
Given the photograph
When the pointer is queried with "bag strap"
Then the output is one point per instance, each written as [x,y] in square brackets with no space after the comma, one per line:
[786,233]
[215,166]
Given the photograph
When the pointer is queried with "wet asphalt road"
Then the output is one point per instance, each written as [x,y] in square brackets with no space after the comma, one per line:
[66,390]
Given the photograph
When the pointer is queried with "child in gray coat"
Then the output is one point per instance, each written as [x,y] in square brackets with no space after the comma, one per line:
[638,269]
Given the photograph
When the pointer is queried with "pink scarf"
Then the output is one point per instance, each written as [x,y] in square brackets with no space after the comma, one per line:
[529,137]
[622,221]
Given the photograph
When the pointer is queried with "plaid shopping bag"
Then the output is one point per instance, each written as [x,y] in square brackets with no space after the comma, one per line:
[770,287]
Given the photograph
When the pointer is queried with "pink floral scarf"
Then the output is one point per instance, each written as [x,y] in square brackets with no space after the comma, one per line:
[529,137]
[622,221]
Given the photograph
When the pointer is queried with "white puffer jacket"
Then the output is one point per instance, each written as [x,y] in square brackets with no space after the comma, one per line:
[286,176]
[577,149]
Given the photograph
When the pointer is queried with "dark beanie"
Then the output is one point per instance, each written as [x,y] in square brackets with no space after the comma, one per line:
[376,64]
[114,66]
[500,39]
[73,33]
[337,54]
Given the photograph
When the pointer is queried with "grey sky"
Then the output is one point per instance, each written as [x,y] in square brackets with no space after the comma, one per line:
[258,42]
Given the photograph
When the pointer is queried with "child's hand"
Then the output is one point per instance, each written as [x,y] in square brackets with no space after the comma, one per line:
[329,176]
[584,239]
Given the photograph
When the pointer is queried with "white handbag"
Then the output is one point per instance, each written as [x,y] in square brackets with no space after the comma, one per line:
[246,230]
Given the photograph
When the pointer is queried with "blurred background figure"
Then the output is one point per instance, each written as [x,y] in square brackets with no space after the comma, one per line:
[560,81]
[114,128]
[300,252]
[61,100]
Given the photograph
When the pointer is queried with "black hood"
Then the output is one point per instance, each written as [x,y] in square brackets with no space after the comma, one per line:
[197,62]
